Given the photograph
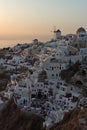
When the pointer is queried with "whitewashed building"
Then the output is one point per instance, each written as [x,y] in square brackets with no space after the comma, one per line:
[57,34]
[59,61]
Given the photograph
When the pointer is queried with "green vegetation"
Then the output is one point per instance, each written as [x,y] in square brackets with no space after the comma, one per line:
[70,72]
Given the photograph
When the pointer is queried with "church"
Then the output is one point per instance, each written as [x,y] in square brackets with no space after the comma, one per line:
[81,38]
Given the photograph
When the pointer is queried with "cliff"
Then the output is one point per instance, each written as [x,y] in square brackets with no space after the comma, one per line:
[12,118]
[74,120]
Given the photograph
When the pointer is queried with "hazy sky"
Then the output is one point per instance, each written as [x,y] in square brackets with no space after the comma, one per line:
[28,19]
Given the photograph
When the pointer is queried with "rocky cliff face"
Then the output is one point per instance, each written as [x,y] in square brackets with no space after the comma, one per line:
[70,72]
[12,118]
[77,75]
[74,120]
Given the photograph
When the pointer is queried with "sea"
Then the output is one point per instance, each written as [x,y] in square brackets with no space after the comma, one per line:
[11,43]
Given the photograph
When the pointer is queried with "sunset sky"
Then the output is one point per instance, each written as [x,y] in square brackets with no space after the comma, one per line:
[28,19]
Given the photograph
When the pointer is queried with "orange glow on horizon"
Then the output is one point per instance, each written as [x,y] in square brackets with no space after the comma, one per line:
[29,19]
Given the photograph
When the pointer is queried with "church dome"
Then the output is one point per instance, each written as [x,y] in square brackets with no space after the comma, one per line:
[58,30]
[81,29]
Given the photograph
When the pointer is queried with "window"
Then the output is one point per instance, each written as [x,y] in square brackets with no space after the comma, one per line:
[52,68]
[56,75]
[63,89]
[52,75]
[71,88]
[60,83]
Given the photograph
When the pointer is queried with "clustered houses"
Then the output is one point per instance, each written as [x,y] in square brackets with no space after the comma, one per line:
[59,61]
[35,69]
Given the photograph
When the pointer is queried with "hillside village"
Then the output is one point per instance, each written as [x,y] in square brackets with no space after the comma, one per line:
[31,75]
